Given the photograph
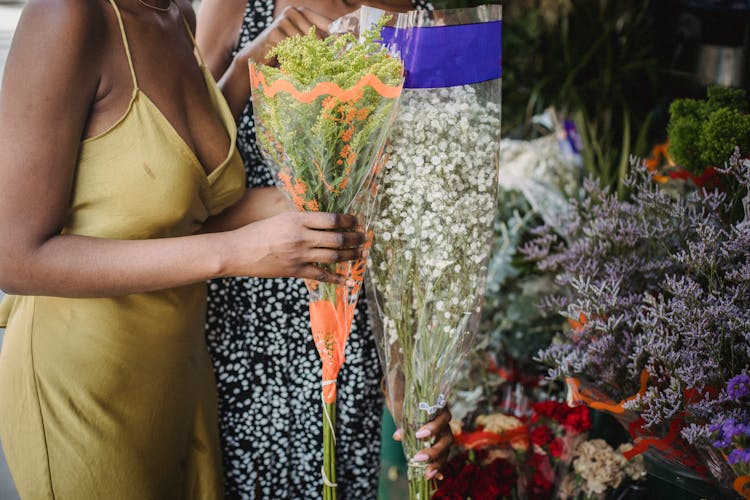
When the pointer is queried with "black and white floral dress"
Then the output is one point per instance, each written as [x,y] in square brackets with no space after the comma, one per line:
[268,370]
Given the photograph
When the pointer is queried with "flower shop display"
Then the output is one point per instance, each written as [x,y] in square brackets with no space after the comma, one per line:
[658,299]
[322,118]
[479,475]
[434,213]
[550,451]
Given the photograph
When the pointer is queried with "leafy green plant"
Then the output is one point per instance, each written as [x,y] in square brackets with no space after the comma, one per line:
[593,61]
[704,133]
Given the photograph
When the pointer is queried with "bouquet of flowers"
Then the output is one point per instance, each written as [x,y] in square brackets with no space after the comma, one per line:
[435,210]
[598,469]
[479,475]
[658,299]
[537,178]
[322,118]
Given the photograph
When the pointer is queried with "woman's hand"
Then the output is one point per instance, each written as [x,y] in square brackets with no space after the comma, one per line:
[290,244]
[292,21]
[437,431]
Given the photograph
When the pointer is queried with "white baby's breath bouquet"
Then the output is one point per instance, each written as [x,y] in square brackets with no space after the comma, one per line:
[433,217]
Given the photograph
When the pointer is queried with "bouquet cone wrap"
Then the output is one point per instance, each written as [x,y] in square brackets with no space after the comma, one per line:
[322,128]
[433,216]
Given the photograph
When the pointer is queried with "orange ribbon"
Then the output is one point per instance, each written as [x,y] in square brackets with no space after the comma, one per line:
[742,486]
[258,81]
[596,400]
[483,439]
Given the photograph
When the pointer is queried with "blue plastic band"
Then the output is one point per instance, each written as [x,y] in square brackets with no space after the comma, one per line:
[447,56]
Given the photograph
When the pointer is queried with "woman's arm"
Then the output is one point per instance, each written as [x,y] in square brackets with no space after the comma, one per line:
[232,73]
[51,79]
[218,32]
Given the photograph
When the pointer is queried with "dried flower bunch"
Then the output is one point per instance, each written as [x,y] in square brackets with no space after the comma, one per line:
[597,468]
[656,283]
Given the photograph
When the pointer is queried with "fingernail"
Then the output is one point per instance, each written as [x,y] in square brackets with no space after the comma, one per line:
[398,434]
[440,476]
[430,473]
[350,283]
[421,457]
[423,433]
[365,254]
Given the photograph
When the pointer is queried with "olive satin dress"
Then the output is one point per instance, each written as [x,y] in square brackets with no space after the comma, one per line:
[114,398]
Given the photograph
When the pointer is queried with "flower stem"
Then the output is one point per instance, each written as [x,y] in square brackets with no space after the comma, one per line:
[329,451]
[420,488]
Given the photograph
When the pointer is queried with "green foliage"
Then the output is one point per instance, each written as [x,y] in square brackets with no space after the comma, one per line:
[324,149]
[591,59]
[724,129]
[704,133]
[343,59]
[511,317]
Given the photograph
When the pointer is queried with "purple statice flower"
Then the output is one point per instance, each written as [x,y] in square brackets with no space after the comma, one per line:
[664,283]
[739,387]
[739,456]
[728,431]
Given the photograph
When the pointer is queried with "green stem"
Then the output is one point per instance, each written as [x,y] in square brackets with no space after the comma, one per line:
[420,488]
[329,450]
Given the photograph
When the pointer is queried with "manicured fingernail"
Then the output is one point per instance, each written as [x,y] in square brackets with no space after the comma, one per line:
[421,457]
[350,283]
[430,473]
[365,254]
[423,433]
[398,434]
[440,476]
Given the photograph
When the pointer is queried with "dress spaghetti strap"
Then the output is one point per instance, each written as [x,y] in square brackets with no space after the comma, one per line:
[125,42]
[192,37]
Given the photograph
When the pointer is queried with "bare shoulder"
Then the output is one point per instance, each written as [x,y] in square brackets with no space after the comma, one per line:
[78,17]
[186,6]
[70,28]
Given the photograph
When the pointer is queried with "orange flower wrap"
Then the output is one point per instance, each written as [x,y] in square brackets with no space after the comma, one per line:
[670,445]
[258,80]
[331,323]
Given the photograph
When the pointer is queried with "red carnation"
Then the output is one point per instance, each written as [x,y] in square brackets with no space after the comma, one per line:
[578,420]
[541,435]
[556,447]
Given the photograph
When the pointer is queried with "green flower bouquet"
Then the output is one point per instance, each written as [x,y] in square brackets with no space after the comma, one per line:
[322,117]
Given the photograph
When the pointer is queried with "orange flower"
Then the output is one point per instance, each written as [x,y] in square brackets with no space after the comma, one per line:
[362,114]
[329,103]
[344,183]
[300,187]
[347,134]
[351,158]
[299,202]
[312,205]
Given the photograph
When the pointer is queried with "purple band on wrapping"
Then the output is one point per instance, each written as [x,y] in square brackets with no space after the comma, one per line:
[447,56]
